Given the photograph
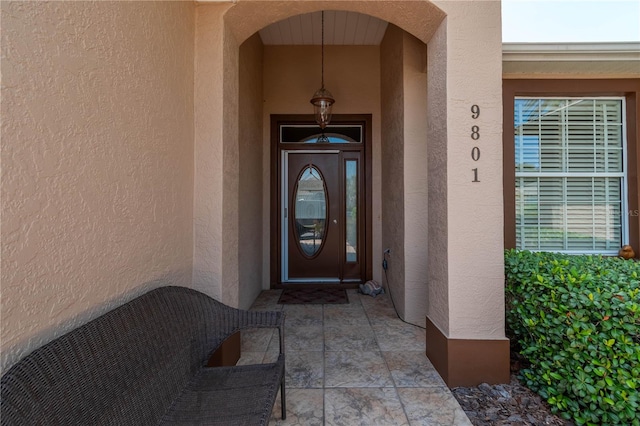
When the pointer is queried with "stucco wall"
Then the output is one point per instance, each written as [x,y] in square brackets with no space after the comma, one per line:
[250,183]
[416,229]
[97,160]
[352,74]
[438,247]
[230,171]
[404,175]
[392,197]
[208,146]
[475,210]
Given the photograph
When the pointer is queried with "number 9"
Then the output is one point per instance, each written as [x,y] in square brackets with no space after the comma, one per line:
[475,111]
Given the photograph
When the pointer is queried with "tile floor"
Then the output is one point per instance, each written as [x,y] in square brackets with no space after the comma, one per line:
[352,364]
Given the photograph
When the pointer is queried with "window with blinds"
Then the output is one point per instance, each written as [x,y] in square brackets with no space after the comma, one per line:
[570,174]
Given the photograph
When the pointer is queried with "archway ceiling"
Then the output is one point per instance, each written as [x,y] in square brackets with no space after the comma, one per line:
[246,17]
[340,28]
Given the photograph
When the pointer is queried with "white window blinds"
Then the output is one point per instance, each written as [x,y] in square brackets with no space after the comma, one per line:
[570,174]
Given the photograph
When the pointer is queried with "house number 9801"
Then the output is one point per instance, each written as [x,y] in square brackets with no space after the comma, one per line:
[475,135]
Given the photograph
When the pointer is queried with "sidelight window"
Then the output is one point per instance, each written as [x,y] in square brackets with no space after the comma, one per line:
[351,210]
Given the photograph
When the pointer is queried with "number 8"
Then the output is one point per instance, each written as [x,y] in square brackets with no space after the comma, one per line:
[475,133]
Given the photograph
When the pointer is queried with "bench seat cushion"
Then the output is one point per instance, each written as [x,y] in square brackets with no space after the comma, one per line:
[228,396]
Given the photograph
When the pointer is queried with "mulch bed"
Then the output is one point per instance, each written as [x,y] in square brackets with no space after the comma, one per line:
[513,404]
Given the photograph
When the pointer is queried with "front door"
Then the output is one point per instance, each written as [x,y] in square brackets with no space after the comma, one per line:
[323,218]
[312,217]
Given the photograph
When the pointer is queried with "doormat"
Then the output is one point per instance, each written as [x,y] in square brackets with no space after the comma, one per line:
[313,296]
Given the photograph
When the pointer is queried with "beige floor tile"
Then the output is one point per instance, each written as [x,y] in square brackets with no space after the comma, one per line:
[432,406]
[349,338]
[378,306]
[273,353]
[366,407]
[256,339]
[304,369]
[412,370]
[356,369]
[250,358]
[353,364]
[267,301]
[304,338]
[302,315]
[338,316]
[354,303]
[305,407]
[400,336]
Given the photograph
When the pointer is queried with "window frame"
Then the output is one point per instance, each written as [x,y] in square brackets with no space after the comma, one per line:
[564,175]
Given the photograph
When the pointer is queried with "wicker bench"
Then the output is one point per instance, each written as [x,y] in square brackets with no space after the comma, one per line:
[144,363]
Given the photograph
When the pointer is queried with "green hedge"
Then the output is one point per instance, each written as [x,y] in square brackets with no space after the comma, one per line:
[577,321]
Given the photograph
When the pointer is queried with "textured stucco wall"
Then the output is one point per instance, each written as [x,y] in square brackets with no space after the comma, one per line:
[404,175]
[208,128]
[392,170]
[230,170]
[416,229]
[250,184]
[97,160]
[475,210]
[352,74]
[437,210]
[218,190]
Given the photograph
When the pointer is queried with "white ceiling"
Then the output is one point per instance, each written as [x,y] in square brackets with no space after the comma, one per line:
[340,27]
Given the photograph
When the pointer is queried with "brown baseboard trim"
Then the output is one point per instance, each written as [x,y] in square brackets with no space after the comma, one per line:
[228,353]
[466,362]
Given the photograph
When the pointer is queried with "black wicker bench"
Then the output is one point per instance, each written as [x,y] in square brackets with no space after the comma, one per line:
[144,363]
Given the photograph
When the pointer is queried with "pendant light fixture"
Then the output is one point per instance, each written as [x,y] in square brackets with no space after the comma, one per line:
[322,100]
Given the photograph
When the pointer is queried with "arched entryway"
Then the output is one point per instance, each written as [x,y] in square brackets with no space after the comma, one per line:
[461,68]
[259,80]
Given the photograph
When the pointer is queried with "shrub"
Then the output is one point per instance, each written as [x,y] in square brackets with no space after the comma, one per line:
[577,322]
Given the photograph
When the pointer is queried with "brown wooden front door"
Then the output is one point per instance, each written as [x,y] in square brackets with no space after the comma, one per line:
[321,222]
[313,216]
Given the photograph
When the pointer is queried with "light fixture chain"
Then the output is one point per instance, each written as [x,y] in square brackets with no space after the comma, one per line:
[322,99]
[322,41]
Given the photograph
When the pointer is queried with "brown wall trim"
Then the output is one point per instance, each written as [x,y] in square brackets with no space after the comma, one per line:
[228,353]
[466,362]
[629,88]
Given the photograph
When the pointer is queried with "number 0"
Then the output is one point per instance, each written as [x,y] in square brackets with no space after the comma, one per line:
[475,153]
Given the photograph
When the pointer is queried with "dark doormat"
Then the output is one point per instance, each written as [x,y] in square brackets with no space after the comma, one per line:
[313,296]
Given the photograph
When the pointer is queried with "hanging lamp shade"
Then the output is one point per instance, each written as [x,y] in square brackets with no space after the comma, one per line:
[322,101]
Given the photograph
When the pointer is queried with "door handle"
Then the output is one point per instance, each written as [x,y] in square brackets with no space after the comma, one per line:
[335,221]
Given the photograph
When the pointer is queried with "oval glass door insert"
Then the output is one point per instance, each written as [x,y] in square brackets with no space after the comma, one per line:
[310,213]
